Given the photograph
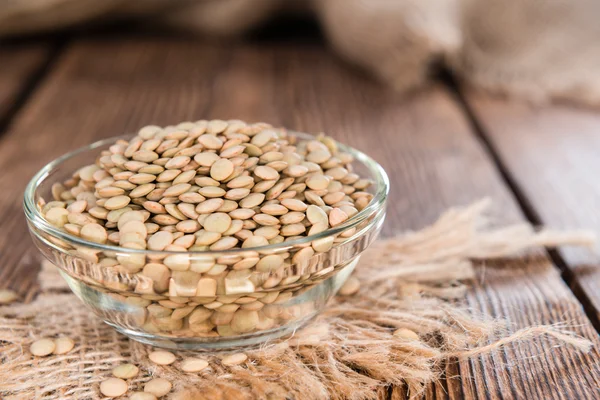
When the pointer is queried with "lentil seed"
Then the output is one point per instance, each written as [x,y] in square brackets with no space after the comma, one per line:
[262,138]
[114,203]
[158,387]
[211,191]
[244,321]
[42,347]
[270,263]
[252,200]
[78,206]
[113,387]
[266,173]
[265,219]
[269,232]
[292,230]
[224,244]
[177,162]
[94,233]
[125,371]
[240,182]
[237,194]
[217,222]
[193,364]
[294,204]
[210,142]
[242,213]
[234,359]
[206,159]
[63,345]
[292,218]
[162,357]
[57,216]
[317,182]
[350,287]
[221,169]
[405,333]
[337,216]
[177,190]
[7,296]
[160,240]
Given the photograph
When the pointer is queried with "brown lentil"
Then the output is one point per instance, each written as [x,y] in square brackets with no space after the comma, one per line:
[125,371]
[158,387]
[63,345]
[162,357]
[234,359]
[113,387]
[350,287]
[193,364]
[42,347]
[7,296]
[142,396]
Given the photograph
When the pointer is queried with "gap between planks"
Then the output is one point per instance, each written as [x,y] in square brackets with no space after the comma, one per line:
[32,80]
[526,205]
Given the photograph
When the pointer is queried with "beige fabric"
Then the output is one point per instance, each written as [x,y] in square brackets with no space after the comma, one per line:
[347,352]
[538,50]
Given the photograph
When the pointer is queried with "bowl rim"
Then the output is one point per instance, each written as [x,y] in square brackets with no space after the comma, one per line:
[35,217]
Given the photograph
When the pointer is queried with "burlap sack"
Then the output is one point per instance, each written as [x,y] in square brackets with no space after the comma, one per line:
[348,352]
[537,50]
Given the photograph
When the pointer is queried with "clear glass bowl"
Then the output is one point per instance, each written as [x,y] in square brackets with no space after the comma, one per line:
[203,301]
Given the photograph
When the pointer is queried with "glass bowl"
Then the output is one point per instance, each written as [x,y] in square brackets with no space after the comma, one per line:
[205,300]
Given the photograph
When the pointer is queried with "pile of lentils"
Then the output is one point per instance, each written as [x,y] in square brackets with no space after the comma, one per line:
[210,186]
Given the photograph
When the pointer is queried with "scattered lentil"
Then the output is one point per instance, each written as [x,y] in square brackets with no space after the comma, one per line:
[162,357]
[7,296]
[142,396]
[113,387]
[234,359]
[193,364]
[158,387]
[125,371]
[42,347]
[350,287]
[405,333]
[63,345]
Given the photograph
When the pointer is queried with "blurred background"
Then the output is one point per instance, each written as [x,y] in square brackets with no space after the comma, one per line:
[533,49]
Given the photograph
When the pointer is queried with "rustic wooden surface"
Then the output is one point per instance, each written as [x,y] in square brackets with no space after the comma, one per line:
[21,64]
[551,156]
[428,143]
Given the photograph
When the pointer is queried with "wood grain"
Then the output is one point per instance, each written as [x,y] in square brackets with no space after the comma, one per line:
[104,87]
[19,63]
[551,153]
[435,162]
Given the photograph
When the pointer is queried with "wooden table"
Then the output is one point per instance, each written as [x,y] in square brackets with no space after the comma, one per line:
[441,147]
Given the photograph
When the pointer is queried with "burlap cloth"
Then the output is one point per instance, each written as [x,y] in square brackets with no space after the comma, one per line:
[412,281]
[534,49]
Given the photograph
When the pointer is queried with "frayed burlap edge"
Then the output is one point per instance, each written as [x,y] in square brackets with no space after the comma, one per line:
[348,352]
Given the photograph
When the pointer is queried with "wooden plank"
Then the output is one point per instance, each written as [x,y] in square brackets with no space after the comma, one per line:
[435,162]
[20,62]
[82,101]
[551,153]
[107,87]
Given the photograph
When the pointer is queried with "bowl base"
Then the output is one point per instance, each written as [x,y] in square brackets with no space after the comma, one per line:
[129,318]
[248,341]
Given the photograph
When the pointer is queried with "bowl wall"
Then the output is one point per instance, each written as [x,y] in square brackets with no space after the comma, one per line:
[203,299]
